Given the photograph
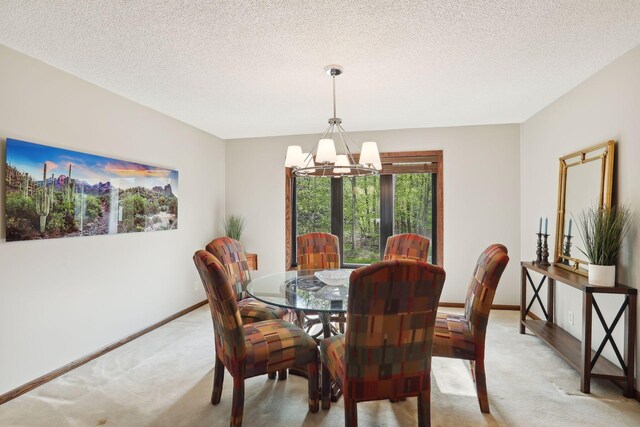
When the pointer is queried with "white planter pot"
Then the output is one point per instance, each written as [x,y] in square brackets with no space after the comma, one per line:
[602,275]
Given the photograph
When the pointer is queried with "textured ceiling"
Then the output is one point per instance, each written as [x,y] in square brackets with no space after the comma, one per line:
[254,68]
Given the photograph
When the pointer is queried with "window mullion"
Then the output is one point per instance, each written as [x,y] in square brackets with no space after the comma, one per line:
[386,210]
[337,213]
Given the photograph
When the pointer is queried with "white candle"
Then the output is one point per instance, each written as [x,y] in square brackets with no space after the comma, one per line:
[546,223]
[540,226]
[569,232]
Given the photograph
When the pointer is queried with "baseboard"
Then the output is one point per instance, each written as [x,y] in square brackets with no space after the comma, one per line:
[18,391]
[493,307]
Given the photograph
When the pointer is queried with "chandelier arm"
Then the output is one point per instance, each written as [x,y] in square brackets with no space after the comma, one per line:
[332,127]
[323,135]
[349,154]
[349,139]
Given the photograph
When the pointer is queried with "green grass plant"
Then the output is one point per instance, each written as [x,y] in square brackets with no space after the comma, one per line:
[602,231]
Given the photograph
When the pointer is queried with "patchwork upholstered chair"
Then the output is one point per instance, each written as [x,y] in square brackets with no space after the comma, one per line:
[462,336]
[386,351]
[408,245]
[317,250]
[254,349]
[231,255]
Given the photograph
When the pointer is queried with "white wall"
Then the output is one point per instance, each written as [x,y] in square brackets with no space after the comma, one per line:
[605,106]
[481,195]
[62,299]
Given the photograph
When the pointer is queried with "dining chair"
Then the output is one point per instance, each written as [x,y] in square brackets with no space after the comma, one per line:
[250,350]
[386,351]
[462,336]
[407,245]
[317,250]
[231,255]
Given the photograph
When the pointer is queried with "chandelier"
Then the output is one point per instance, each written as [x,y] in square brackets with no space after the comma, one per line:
[325,159]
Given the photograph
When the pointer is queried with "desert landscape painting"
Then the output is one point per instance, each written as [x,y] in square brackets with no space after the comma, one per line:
[53,192]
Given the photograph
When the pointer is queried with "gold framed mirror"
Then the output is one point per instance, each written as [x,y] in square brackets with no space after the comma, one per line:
[586,180]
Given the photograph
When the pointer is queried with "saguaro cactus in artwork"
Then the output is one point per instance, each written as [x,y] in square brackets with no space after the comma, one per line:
[44,195]
[69,188]
[25,186]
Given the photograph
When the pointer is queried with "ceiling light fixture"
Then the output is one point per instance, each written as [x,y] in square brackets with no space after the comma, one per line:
[332,162]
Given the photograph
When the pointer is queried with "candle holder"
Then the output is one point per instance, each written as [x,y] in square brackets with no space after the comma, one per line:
[538,249]
[545,251]
[567,247]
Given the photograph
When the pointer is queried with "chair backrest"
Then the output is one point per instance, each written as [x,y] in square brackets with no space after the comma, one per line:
[408,245]
[390,323]
[227,324]
[482,288]
[317,250]
[231,255]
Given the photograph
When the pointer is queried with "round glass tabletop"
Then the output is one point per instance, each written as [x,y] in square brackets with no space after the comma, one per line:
[307,290]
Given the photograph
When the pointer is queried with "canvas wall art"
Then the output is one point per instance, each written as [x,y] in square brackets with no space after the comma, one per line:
[52,192]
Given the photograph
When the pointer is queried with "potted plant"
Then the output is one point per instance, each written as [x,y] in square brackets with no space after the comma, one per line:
[602,231]
[233,226]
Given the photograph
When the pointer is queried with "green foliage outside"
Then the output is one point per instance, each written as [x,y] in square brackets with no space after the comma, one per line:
[361,229]
[413,196]
[313,202]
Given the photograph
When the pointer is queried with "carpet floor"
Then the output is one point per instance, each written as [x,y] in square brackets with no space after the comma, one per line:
[165,378]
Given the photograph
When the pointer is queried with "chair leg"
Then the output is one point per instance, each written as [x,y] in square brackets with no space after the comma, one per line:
[350,412]
[477,369]
[237,406]
[424,408]
[326,388]
[282,374]
[218,379]
[313,386]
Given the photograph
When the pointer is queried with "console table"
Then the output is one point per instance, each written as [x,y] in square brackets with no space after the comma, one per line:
[579,353]
[252,261]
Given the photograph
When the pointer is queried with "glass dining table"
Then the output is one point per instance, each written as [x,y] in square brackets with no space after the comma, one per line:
[308,292]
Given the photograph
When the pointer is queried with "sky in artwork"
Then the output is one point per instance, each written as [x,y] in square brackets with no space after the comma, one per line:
[29,157]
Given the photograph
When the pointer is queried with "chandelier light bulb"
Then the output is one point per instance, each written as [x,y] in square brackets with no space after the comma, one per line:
[294,157]
[369,156]
[342,160]
[326,151]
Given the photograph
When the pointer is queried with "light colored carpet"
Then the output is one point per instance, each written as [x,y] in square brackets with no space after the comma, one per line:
[165,377]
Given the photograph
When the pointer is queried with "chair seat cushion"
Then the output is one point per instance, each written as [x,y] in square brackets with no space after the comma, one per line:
[252,310]
[332,357]
[273,345]
[452,337]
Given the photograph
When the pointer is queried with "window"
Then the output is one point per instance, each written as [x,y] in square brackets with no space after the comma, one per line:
[364,211]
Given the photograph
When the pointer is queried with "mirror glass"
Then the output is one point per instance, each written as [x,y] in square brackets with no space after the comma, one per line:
[585,182]
[582,191]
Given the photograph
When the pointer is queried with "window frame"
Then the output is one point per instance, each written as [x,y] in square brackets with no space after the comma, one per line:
[393,163]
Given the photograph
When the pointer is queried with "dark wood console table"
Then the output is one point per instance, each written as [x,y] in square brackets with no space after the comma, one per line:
[579,353]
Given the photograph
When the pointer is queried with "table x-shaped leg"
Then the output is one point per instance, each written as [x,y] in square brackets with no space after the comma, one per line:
[608,330]
[536,296]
